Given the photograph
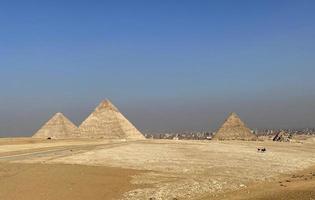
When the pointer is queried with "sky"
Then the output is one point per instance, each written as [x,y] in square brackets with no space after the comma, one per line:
[168,65]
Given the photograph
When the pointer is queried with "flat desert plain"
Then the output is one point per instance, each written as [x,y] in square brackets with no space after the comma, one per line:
[155,169]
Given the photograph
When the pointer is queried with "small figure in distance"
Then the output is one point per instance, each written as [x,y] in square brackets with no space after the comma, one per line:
[261,149]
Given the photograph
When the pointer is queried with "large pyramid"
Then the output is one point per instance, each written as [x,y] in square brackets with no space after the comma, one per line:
[107,122]
[58,127]
[234,129]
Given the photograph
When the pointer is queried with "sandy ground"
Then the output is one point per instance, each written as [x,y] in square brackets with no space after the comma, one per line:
[299,185]
[156,169]
[71,182]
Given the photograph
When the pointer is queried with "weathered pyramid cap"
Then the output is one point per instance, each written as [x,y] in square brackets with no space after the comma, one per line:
[106,104]
[58,116]
[233,120]
[234,114]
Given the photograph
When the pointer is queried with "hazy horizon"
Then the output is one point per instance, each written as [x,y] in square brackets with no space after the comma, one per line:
[167,65]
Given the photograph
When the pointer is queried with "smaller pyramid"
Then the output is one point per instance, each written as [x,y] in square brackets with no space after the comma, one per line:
[58,127]
[282,136]
[107,122]
[234,129]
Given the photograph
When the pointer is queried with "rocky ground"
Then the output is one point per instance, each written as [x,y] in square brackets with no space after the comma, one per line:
[298,185]
[151,169]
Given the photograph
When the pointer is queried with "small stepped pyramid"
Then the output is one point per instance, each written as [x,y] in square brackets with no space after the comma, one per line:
[234,129]
[58,127]
[107,122]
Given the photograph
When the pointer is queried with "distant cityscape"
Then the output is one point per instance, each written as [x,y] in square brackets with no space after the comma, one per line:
[199,135]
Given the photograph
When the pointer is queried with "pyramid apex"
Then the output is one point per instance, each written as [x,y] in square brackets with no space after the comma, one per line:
[106,104]
[58,115]
[233,118]
[233,114]
[106,101]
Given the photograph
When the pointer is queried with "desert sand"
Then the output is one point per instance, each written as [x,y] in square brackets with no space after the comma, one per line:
[38,182]
[299,185]
[155,169]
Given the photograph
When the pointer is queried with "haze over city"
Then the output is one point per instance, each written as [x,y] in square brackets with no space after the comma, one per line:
[167,65]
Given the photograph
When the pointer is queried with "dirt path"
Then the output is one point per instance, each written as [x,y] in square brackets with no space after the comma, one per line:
[55,182]
[54,152]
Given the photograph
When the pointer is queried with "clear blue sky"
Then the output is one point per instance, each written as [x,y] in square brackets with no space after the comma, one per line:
[168,65]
